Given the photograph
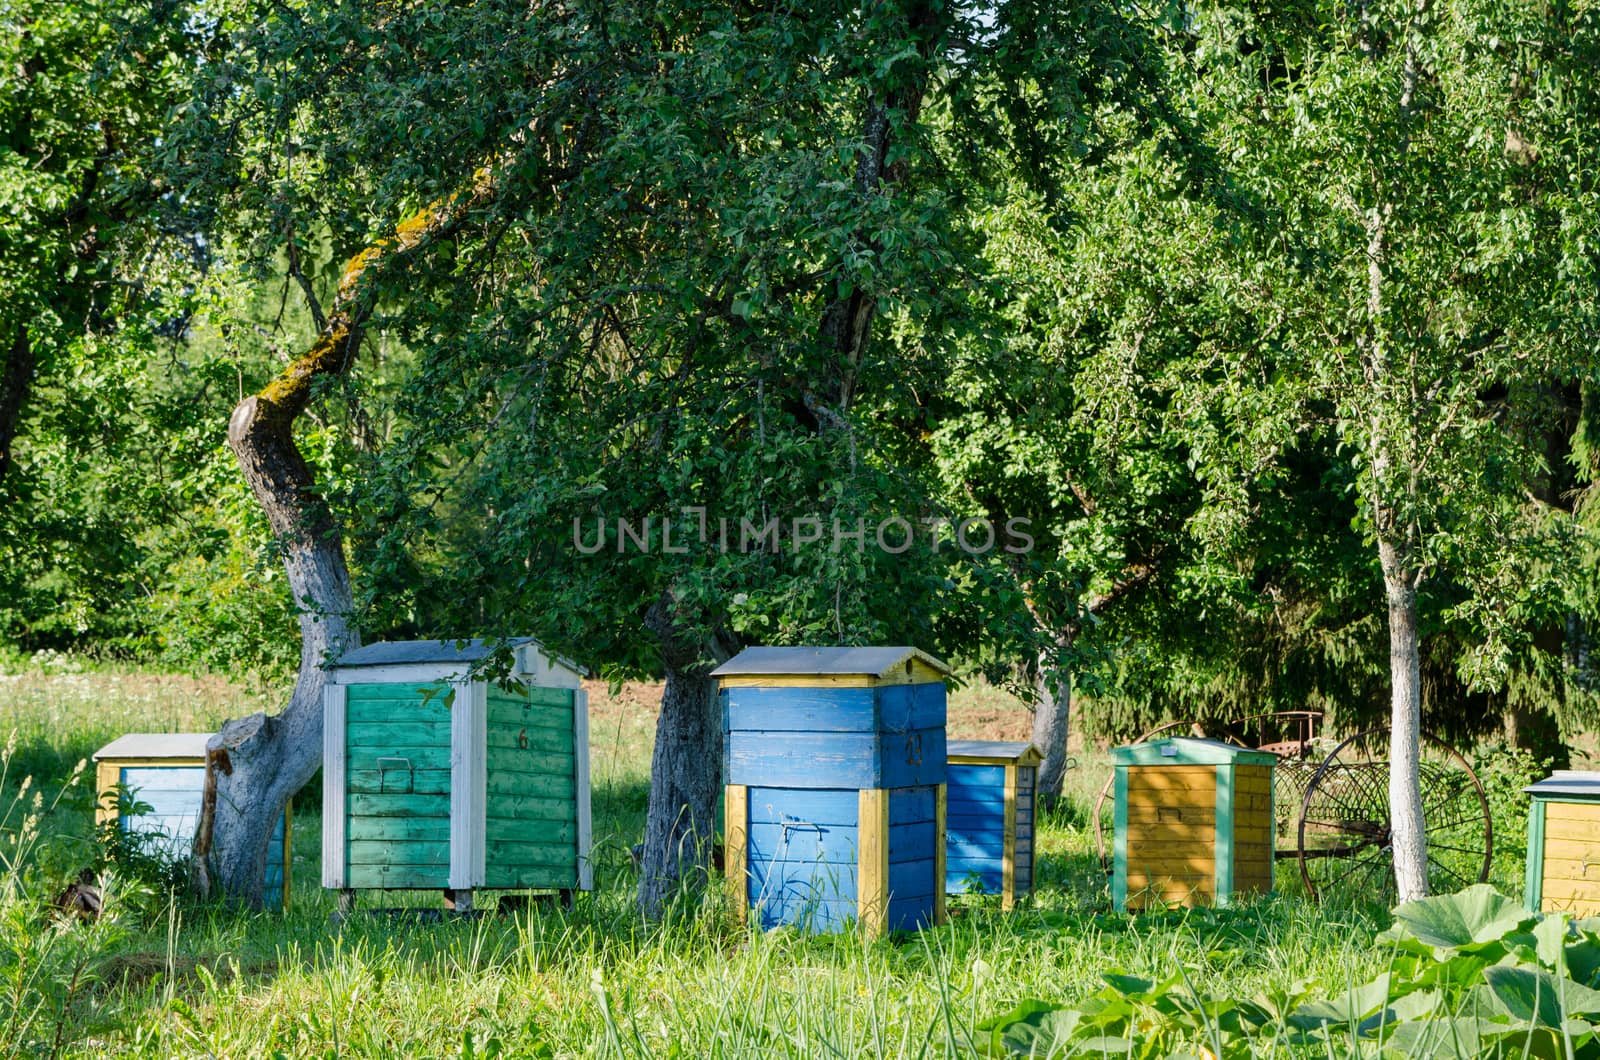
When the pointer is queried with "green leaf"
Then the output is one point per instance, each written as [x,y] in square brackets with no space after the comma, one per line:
[1479,914]
[1453,1038]
[1128,985]
[1583,952]
[1033,1028]
[1352,1009]
[1532,996]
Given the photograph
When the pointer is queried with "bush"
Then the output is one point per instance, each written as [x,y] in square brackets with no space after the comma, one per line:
[1504,771]
[1470,975]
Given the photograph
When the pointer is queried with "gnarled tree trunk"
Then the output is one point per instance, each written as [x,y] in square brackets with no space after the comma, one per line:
[1051,725]
[686,766]
[255,764]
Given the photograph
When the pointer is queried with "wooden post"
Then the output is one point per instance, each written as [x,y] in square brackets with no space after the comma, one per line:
[1008,852]
[872,876]
[107,776]
[939,825]
[736,845]
[1533,883]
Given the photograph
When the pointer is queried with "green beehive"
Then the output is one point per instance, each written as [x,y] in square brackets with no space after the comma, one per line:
[434,778]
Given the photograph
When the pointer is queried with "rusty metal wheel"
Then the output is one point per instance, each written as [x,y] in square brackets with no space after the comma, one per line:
[1344,845]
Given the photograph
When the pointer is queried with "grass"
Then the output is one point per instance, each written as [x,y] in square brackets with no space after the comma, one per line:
[162,976]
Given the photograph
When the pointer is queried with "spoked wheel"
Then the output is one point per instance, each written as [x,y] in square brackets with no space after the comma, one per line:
[1344,834]
[1105,817]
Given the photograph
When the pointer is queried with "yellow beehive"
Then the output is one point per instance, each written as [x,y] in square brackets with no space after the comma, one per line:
[1563,870]
[1194,823]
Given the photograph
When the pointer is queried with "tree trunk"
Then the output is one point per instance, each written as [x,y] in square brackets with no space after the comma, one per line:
[685,777]
[255,764]
[1051,726]
[1536,730]
[686,766]
[1053,698]
[16,379]
[258,763]
[846,322]
[1405,726]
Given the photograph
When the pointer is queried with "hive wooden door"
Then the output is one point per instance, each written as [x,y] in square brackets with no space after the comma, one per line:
[397,790]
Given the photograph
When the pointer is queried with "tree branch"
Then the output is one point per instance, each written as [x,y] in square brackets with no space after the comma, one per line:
[16,380]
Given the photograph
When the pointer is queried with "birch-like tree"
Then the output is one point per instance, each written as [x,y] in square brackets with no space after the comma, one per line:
[1426,275]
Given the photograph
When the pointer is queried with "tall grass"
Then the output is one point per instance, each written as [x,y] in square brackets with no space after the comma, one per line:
[163,977]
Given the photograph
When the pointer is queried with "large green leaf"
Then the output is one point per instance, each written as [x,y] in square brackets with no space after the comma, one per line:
[1477,915]
[1533,996]
[1354,1008]
[1453,1038]
[1034,1028]
[1581,949]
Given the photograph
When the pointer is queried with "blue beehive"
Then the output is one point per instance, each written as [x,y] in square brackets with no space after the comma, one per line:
[990,817]
[835,767]
[164,773]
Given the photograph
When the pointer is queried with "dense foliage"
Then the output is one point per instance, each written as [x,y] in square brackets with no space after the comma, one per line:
[1120,276]
[1470,975]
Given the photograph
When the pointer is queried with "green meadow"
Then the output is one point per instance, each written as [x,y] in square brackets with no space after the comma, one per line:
[159,975]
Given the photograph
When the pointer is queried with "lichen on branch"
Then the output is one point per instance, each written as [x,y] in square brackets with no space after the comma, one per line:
[278,404]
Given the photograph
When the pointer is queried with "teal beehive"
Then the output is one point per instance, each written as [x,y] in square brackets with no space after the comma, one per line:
[437,778]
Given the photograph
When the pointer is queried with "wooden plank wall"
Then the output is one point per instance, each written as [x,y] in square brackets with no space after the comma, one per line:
[802,855]
[1027,795]
[797,737]
[916,886]
[1571,857]
[531,820]
[1171,835]
[975,836]
[397,831]
[1254,829]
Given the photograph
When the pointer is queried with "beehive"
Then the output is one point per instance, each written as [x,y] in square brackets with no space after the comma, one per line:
[1194,823]
[1563,871]
[164,776]
[436,778]
[989,814]
[835,799]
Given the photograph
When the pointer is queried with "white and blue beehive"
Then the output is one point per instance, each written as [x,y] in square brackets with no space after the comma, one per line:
[163,776]
[437,778]
[990,817]
[835,767]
